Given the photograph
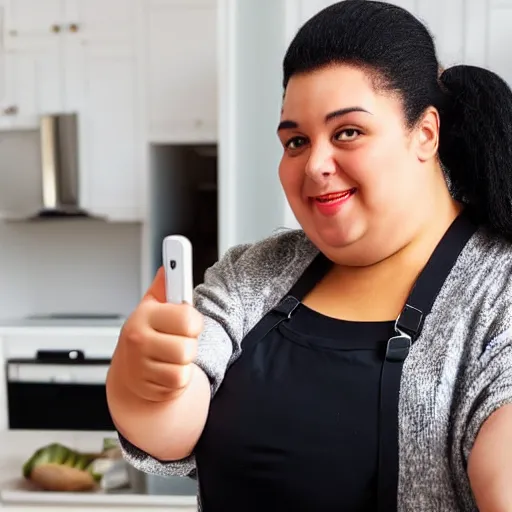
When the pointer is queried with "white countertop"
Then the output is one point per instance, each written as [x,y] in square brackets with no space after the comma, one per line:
[38,324]
[17,446]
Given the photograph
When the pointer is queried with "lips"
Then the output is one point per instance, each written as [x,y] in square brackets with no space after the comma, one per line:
[330,204]
[334,197]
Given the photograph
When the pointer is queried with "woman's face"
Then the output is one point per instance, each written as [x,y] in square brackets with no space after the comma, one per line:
[352,172]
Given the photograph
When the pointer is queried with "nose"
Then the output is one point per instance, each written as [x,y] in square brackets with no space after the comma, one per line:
[321,162]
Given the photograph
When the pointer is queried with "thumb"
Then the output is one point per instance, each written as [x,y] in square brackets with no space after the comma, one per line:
[156,290]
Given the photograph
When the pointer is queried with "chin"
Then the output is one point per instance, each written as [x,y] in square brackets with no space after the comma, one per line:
[334,238]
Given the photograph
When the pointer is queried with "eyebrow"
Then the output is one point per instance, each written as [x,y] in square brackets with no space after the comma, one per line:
[289,125]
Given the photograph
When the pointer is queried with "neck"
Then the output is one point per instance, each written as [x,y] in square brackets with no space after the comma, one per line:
[399,271]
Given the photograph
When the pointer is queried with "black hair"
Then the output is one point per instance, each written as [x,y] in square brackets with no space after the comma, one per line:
[475,104]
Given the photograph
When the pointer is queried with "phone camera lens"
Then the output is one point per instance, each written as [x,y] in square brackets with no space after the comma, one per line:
[173,264]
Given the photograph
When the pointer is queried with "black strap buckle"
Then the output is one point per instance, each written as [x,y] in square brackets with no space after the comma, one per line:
[407,327]
[398,348]
[410,321]
[287,306]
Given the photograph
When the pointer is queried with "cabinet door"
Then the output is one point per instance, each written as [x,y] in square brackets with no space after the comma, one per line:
[31,20]
[33,84]
[30,60]
[5,110]
[101,81]
[182,71]
[101,20]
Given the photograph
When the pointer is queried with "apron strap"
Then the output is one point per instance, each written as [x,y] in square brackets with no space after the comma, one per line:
[314,272]
[408,327]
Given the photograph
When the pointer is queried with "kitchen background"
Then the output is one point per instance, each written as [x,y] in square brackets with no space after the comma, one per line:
[176,104]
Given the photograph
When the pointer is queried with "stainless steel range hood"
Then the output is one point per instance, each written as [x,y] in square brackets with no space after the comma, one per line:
[47,185]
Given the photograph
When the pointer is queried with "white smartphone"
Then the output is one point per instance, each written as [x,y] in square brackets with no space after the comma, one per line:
[177,262]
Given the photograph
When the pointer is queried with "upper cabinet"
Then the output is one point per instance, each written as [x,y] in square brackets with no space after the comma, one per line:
[182,71]
[99,73]
[135,72]
[80,56]
[31,61]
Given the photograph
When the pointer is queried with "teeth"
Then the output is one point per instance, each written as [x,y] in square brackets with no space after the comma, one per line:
[333,197]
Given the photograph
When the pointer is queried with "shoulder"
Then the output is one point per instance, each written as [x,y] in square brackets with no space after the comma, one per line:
[485,279]
[490,261]
[283,255]
[267,256]
[253,277]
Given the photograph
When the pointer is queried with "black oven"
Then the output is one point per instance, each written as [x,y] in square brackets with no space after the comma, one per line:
[58,390]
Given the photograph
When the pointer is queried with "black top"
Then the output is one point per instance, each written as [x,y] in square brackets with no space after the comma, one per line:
[294,425]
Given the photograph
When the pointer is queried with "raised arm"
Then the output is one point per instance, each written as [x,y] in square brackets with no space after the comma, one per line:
[168,362]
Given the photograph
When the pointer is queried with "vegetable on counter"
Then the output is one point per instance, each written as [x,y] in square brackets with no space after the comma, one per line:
[56,467]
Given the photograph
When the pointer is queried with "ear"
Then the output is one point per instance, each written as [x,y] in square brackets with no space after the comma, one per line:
[427,135]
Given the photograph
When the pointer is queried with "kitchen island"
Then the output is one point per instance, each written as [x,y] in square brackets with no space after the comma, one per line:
[19,495]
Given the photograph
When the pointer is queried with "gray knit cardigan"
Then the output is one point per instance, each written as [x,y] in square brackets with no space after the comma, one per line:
[458,372]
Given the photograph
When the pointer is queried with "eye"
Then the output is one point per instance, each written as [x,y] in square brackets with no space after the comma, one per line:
[347,135]
[295,143]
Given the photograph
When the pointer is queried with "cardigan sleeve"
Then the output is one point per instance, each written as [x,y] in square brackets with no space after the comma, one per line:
[490,386]
[237,291]
[484,386]
[218,299]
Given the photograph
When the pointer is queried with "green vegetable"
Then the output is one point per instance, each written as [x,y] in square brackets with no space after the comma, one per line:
[110,443]
[56,453]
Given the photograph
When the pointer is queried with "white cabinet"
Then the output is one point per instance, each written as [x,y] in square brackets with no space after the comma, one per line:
[32,18]
[31,61]
[100,82]
[80,56]
[182,71]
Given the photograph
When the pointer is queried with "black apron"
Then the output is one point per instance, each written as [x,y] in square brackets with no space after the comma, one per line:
[407,329]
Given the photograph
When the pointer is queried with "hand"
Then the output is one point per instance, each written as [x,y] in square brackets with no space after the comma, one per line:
[157,345]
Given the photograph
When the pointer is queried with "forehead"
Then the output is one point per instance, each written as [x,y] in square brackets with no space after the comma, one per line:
[332,88]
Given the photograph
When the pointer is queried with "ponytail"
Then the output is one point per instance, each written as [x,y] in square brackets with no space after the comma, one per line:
[476,144]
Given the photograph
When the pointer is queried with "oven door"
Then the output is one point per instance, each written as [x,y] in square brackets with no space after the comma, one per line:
[58,391]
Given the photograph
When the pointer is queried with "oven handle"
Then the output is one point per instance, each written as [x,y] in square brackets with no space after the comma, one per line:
[92,374]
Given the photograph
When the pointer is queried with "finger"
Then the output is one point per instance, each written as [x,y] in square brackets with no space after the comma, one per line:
[153,392]
[178,319]
[156,290]
[168,348]
[168,376]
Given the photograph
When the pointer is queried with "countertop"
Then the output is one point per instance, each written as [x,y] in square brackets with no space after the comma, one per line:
[31,325]
[17,494]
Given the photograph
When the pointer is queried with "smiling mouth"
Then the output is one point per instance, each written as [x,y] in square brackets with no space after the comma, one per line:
[334,197]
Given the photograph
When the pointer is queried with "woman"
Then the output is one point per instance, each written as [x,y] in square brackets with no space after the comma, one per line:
[363,362]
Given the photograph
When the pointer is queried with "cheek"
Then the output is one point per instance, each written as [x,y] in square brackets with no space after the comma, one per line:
[382,176]
[291,178]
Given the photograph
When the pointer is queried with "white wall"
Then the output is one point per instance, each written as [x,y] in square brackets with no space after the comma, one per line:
[62,266]
[68,266]
[251,49]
